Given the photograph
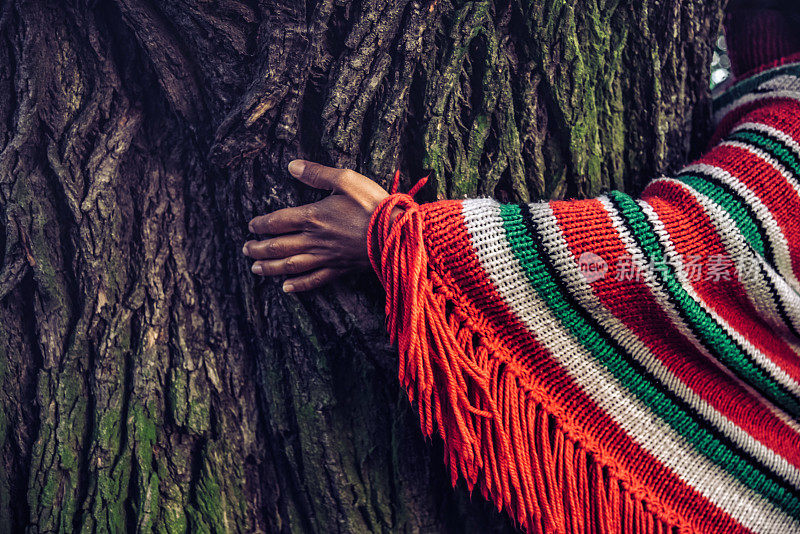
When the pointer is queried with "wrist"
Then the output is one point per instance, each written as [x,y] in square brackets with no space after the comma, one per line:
[382,225]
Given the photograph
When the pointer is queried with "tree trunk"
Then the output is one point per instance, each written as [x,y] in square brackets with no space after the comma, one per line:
[147,380]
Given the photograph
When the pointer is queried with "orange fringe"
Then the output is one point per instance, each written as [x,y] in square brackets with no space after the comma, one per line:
[496,430]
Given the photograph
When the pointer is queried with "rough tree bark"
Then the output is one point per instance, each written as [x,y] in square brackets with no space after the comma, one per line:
[147,380]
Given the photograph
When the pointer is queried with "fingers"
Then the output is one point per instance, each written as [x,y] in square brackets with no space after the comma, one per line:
[341,181]
[282,221]
[279,247]
[300,263]
[310,267]
[323,177]
[312,280]
[315,175]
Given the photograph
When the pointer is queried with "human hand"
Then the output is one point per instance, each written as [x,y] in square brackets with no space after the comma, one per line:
[316,243]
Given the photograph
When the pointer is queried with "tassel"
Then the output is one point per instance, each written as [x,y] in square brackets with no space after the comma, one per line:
[497,434]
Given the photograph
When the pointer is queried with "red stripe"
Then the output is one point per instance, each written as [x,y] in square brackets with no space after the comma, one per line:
[632,302]
[738,114]
[746,112]
[452,254]
[781,115]
[692,232]
[771,188]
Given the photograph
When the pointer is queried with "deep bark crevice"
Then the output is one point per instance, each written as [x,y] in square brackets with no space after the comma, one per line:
[26,428]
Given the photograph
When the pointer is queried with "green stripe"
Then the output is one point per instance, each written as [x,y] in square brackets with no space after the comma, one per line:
[529,256]
[774,148]
[708,329]
[751,84]
[735,208]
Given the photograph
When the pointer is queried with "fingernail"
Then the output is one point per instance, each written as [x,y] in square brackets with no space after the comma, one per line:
[296,167]
[251,228]
[287,287]
[244,250]
[256,268]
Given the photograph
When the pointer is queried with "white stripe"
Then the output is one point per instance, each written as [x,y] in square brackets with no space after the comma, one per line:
[558,249]
[785,292]
[780,245]
[728,231]
[777,165]
[663,299]
[763,79]
[754,97]
[773,132]
[483,221]
[755,354]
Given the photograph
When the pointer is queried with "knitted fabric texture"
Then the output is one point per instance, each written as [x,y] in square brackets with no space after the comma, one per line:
[618,364]
[757,36]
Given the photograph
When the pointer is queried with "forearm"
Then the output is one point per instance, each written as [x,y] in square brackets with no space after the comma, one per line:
[604,361]
[631,326]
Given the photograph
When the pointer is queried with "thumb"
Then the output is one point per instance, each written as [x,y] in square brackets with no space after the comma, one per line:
[342,181]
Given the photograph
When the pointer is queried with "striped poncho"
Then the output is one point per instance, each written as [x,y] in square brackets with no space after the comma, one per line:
[618,364]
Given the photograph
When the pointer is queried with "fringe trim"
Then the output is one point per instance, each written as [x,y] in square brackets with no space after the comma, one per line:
[498,432]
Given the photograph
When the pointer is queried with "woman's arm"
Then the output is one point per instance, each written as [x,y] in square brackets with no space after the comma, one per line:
[630,364]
